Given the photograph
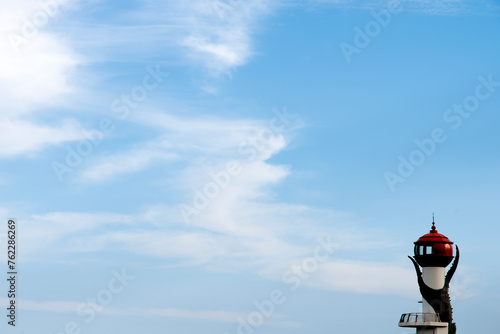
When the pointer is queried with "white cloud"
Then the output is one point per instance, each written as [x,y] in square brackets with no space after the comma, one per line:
[241,227]
[236,227]
[199,315]
[223,316]
[362,276]
[214,35]
[210,135]
[42,232]
[21,137]
[132,161]
[35,76]
[205,315]
[35,66]
[427,7]
[214,141]
[365,277]
[57,306]
[464,284]
[49,306]
[219,33]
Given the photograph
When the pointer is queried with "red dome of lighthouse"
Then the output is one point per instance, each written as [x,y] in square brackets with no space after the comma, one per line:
[433,249]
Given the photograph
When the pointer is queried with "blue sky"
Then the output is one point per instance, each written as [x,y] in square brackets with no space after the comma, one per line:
[228,167]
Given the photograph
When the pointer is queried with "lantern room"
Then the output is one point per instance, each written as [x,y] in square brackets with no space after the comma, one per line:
[433,249]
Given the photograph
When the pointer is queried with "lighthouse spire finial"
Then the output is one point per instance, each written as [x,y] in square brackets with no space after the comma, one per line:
[433,229]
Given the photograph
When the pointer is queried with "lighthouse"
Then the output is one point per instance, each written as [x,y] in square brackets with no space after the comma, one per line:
[433,253]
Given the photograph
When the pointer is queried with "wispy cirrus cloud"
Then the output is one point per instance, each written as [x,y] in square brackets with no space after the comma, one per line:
[222,316]
[265,242]
[426,7]
[203,315]
[59,228]
[189,140]
[138,158]
[220,33]
[237,227]
[59,306]
[215,36]
[357,276]
[22,137]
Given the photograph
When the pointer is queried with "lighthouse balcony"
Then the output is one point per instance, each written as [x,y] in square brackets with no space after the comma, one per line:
[417,320]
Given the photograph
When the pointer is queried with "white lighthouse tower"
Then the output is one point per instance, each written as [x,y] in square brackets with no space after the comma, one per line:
[433,252]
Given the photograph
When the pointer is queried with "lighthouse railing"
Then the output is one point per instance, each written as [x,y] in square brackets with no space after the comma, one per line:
[419,317]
